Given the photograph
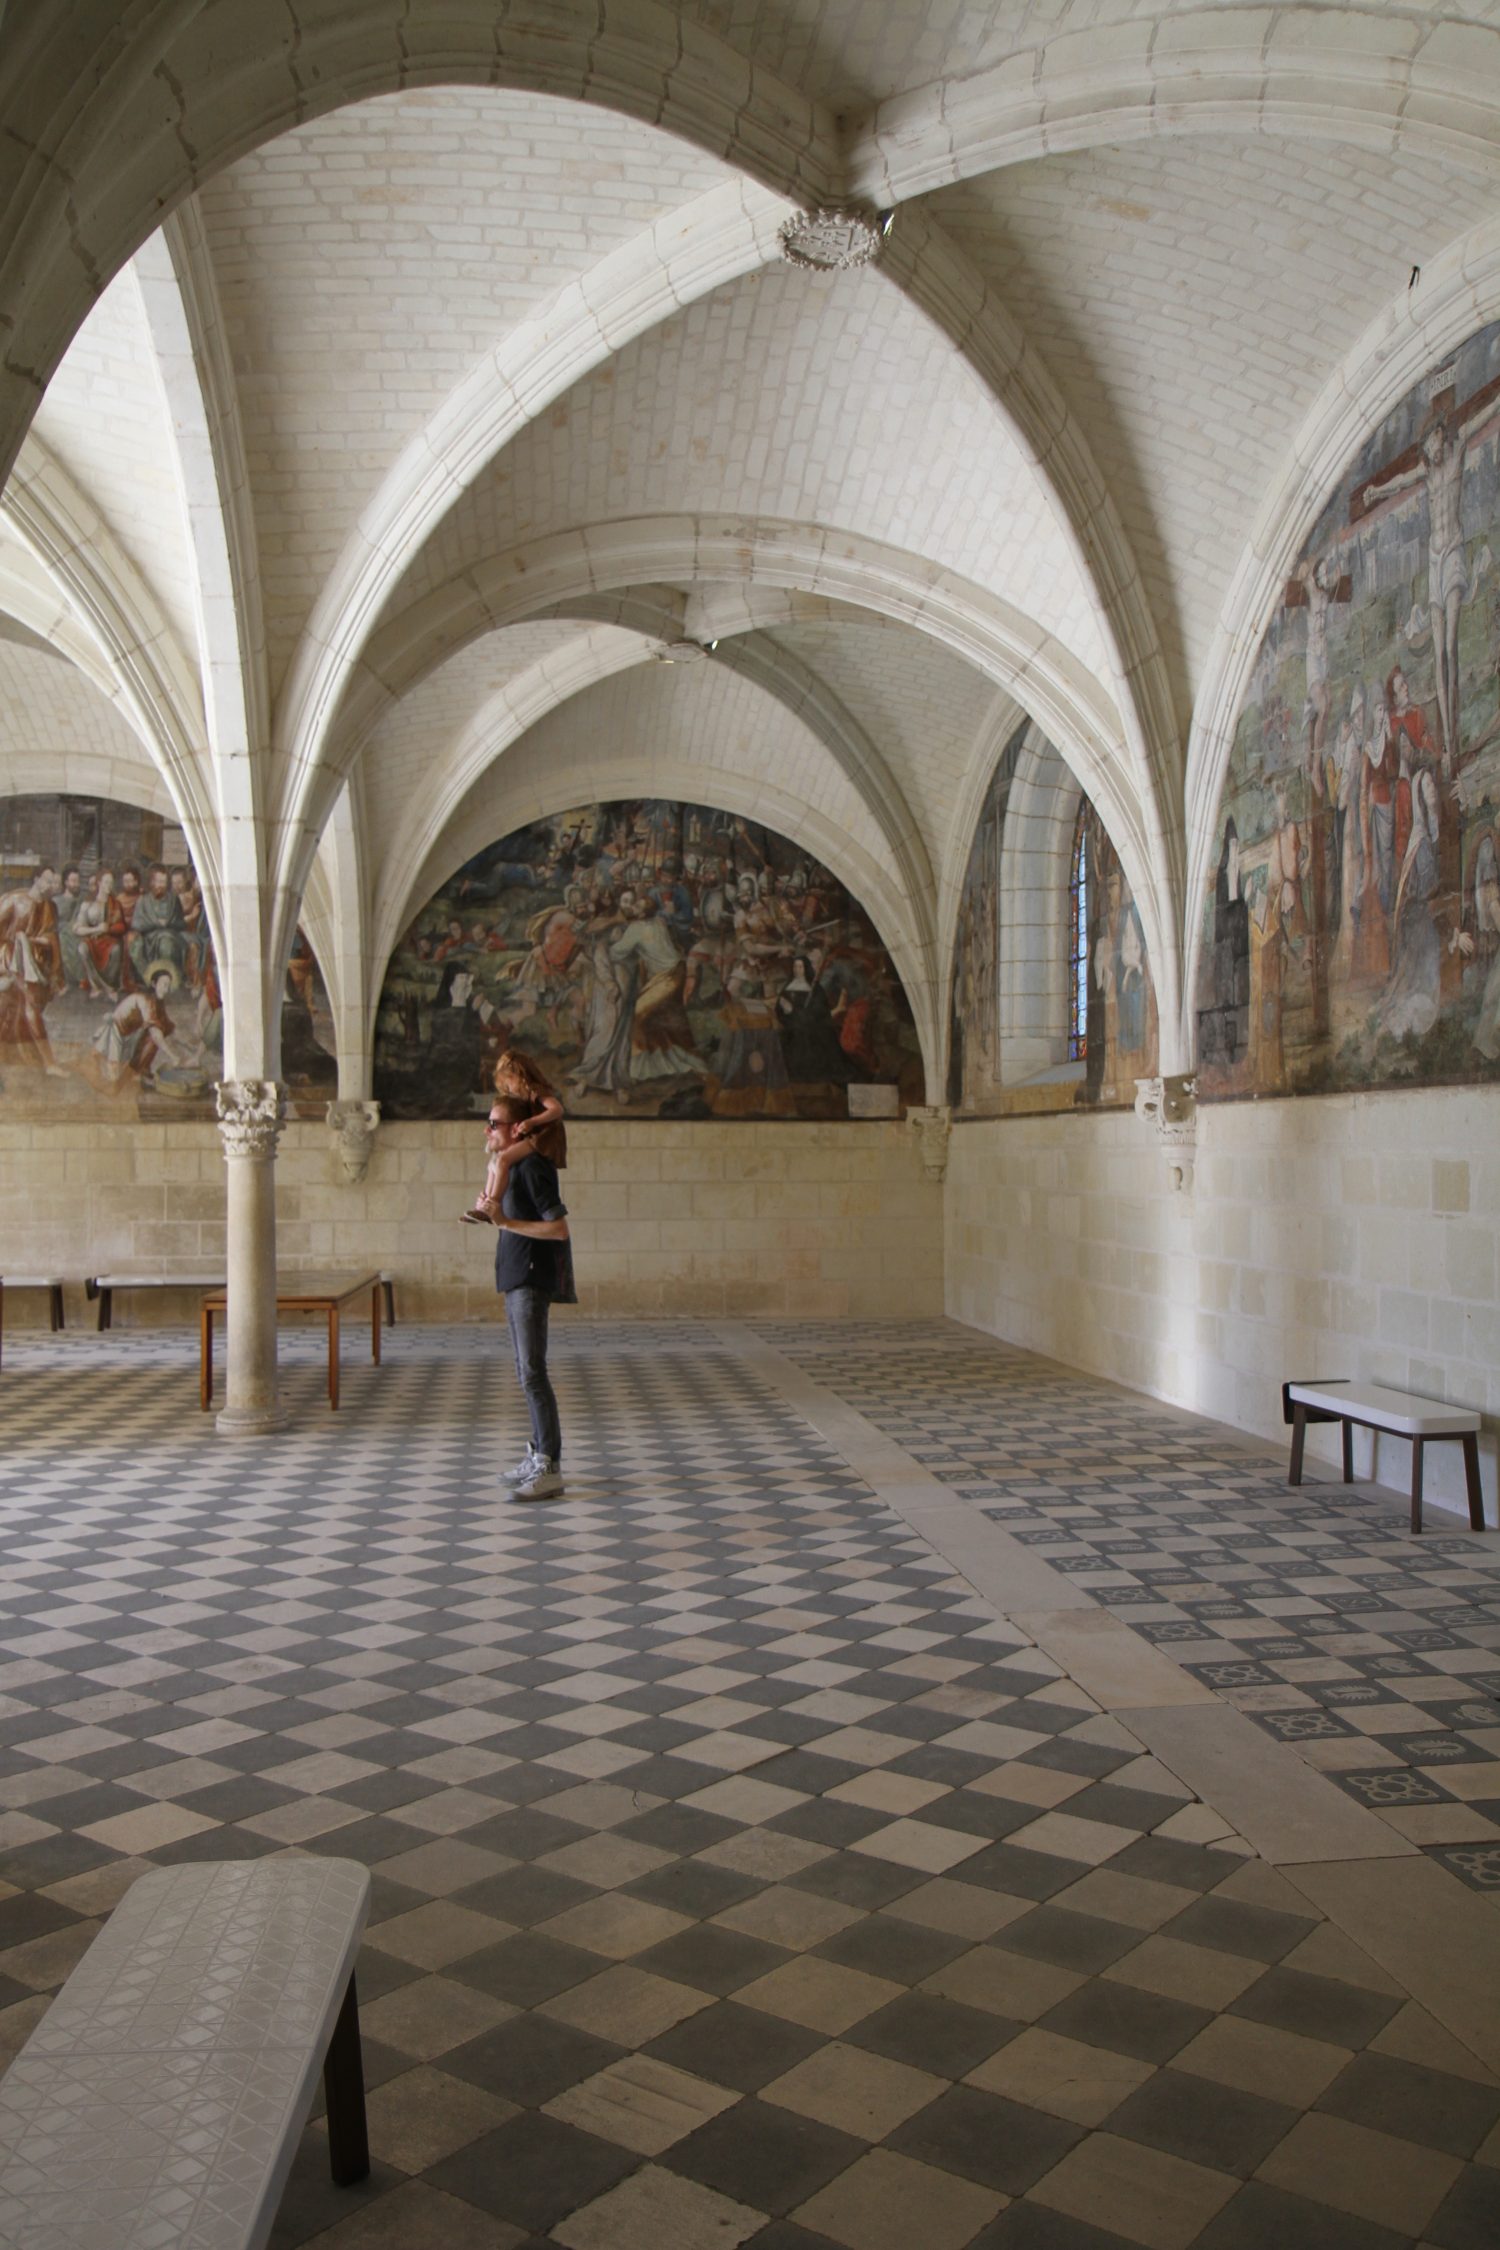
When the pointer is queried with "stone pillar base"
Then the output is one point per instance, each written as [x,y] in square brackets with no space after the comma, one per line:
[258,1422]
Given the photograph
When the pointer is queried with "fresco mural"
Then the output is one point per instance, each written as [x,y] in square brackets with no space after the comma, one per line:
[110,1005]
[1351,927]
[1116,999]
[658,960]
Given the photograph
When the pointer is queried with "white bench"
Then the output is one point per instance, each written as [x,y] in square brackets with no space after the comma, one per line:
[51,1282]
[104,1285]
[1373,1406]
[158,2104]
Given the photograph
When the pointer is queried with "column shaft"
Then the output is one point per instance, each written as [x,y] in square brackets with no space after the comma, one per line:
[251,1114]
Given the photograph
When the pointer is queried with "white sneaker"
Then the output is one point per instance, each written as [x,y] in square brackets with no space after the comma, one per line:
[544,1483]
[524,1469]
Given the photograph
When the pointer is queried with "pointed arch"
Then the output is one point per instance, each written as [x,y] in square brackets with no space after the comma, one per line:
[158,690]
[1405,79]
[116,120]
[1066,701]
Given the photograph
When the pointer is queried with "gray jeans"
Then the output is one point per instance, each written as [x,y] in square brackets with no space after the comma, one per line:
[526,1311]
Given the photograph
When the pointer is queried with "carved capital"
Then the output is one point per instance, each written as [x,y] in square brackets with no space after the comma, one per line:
[1171,1106]
[932,1126]
[252,1112]
[354,1126]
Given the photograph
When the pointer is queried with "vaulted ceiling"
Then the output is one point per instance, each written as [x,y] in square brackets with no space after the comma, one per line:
[385,388]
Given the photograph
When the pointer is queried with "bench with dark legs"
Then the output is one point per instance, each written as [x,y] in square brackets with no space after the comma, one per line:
[51,1282]
[1374,1406]
[105,1287]
[160,2100]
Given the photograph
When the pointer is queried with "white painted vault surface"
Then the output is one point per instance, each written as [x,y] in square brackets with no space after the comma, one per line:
[351,503]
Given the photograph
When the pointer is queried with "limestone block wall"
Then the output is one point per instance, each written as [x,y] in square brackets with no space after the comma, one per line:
[669,1218]
[1352,1235]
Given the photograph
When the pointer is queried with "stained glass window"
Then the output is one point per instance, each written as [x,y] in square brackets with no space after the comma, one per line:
[1078,941]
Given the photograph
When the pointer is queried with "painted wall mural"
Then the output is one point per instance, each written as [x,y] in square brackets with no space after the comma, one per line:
[1351,932]
[1116,1003]
[658,960]
[110,1005]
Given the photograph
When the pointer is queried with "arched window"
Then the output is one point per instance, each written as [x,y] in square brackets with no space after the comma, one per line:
[1078,940]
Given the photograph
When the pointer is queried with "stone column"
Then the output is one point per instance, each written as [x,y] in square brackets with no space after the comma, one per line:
[252,1112]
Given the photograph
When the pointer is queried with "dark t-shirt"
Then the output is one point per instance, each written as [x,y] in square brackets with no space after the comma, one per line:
[532,1192]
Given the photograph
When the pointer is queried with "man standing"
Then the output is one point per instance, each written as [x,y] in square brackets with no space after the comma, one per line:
[30,969]
[158,931]
[533,1272]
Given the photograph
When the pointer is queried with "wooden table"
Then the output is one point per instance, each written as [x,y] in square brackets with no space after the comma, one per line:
[319,1292]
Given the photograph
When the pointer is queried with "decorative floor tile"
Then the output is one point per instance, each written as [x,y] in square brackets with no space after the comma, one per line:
[1202,1546]
[739,1876]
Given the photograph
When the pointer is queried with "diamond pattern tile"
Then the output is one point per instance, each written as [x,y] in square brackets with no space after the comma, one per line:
[738,1874]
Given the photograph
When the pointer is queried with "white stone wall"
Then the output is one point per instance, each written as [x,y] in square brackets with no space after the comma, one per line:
[1353,1235]
[824,1220]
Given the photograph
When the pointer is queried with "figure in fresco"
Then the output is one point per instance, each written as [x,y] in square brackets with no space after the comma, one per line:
[1129,966]
[1438,472]
[751,1079]
[661,1036]
[1318,584]
[30,970]
[157,930]
[127,899]
[101,931]
[1224,1026]
[604,1065]
[137,1034]
[1119,973]
[1345,792]
[70,897]
[1417,750]
[1411,1000]
[1482,947]
[809,1033]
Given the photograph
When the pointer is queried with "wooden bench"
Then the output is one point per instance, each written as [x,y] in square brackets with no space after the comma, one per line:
[160,2099]
[52,1283]
[1373,1406]
[104,1286]
[322,1293]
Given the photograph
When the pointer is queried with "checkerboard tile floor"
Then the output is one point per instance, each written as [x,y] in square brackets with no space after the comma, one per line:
[739,1877]
[1315,1611]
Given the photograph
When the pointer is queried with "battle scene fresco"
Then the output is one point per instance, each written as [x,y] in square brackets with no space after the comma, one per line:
[1113,1025]
[657,959]
[1351,922]
[110,1006]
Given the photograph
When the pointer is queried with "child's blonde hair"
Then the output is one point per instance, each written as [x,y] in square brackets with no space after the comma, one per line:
[518,1078]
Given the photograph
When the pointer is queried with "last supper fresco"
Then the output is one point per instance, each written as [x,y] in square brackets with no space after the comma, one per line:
[1351,916]
[657,959]
[110,1001]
